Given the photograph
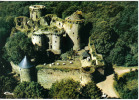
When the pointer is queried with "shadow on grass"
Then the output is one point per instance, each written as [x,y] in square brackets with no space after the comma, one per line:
[99,76]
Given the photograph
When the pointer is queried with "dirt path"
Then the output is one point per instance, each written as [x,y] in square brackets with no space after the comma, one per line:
[107,85]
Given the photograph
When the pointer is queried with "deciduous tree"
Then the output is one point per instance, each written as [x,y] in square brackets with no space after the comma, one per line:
[7,84]
[65,89]
[17,47]
[91,91]
[29,90]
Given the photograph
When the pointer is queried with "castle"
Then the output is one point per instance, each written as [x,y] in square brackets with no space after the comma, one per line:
[51,33]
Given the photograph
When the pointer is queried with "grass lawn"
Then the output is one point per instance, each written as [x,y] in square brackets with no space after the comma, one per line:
[76,65]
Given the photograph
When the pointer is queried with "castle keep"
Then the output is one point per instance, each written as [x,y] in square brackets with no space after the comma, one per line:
[50,32]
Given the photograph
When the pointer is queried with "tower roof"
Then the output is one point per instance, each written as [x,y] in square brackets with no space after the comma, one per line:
[25,63]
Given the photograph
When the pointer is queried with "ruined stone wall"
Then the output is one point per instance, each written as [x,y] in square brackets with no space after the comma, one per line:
[48,76]
[97,57]
[43,22]
[15,68]
[21,23]
[59,24]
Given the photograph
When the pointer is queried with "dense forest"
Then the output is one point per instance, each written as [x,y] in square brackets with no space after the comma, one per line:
[127,85]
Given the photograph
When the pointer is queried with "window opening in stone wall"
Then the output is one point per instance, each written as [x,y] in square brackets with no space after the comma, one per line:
[55,41]
[73,32]
[19,23]
[38,23]
[21,19]
[48,19]
[59,23]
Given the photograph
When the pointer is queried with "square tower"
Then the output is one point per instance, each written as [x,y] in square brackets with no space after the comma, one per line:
[36,11]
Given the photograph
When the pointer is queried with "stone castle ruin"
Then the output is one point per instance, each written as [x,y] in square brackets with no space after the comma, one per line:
[51,33]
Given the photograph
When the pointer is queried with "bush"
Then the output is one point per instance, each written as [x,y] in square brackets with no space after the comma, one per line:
[64,56]
[29,90]
[127,85]
[65,89]
[91,91]
[68,55]
[17,47]
[131,60]
[7,84]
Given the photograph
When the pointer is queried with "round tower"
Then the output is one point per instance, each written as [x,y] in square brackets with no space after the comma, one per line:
[27,70]
[36,11]
[38,38]
[73,26]
[56,43]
